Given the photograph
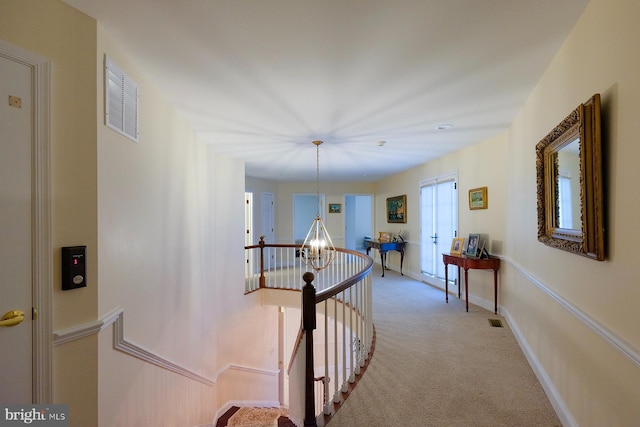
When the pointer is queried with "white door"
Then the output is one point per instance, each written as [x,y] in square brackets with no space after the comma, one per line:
[267,218]
[438,224]
[16,234]
[248,235]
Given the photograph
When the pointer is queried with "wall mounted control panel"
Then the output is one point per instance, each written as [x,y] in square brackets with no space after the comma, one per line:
[74,270]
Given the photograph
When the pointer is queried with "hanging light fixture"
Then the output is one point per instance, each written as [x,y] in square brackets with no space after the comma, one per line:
[317,250]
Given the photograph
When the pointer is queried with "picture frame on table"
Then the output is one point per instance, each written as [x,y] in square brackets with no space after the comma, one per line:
[457,244]
[472,245]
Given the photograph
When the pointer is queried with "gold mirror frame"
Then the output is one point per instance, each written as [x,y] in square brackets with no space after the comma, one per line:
[583,124]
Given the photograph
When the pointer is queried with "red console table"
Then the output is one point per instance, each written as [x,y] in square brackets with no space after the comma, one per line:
[491,263]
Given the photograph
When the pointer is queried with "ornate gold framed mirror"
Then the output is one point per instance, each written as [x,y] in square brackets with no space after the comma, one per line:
[569,180]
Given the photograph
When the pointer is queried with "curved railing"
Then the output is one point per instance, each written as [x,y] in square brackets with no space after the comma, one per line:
[336,302]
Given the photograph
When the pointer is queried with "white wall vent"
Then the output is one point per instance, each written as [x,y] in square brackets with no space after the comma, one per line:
[121,101]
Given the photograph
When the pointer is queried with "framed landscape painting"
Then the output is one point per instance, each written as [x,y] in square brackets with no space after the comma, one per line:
[478,198]
[397,209]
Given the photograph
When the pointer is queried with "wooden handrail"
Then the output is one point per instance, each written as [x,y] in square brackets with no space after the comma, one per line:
[309,301]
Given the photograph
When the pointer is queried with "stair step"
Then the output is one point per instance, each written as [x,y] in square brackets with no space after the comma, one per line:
[283,421]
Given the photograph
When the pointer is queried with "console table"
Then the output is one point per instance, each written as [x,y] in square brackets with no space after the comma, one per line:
[491,263]
[383,248]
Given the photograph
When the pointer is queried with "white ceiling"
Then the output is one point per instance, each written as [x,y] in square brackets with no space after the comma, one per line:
[261,79]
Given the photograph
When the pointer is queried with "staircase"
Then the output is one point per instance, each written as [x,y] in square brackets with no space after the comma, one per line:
[225,419]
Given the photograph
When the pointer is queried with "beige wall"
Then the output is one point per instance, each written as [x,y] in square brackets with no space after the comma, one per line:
[576,319]
[597,383]
[168,225]
[68,38]
[159,240]
[334,193]
[475,167]
[160,226]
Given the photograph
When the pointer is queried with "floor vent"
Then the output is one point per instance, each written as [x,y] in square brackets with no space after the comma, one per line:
[495,323]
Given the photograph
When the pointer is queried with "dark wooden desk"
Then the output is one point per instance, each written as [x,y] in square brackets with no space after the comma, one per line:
[383,248]
[491,263]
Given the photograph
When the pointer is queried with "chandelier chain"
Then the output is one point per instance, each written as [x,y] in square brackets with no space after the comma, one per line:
[318,177]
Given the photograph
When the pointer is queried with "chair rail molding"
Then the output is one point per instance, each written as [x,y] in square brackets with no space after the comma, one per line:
[619,343]
[116,317]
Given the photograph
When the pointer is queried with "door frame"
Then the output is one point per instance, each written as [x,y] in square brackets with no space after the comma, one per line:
[42,259]
[445,177]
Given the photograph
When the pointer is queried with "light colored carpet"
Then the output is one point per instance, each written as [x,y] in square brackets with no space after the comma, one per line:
[256,417]
[437,365]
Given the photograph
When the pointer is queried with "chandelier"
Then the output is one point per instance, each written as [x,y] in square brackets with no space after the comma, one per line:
[317,251]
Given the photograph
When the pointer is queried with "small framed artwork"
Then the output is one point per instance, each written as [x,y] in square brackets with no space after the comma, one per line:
[472,246]
[457,245]
[478,198]
[397,209]
[384,236]
[334,207]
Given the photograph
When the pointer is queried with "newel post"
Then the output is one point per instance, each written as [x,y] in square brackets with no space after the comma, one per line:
[309,324]
[262,278]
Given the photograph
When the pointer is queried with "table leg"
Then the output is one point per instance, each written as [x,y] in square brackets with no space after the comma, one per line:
[383,255]
[401,261]
[459,282]
[446,282]
[466,287]
[495,290]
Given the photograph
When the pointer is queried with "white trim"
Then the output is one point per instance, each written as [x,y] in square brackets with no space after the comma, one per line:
[42,363]
[609,336]
[116,317]
[552,392]
[81,331]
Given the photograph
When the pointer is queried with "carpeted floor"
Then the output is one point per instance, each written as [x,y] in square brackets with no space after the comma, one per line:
[437,365]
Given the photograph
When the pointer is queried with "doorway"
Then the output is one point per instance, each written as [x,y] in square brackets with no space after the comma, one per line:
[358,220]
[438,225]
[25,243]
[305,209]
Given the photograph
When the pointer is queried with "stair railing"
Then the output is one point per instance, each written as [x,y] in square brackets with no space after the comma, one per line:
[340,297]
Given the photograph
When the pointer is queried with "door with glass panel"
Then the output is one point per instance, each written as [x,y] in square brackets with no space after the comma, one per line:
[438,224]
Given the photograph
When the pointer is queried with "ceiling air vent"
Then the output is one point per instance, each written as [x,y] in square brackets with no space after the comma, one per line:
[121,100]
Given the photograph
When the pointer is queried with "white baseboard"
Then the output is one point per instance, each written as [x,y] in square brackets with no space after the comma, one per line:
[552,393]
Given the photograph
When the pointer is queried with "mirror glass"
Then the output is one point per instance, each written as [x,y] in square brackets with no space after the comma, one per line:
[569,181]
[568,186]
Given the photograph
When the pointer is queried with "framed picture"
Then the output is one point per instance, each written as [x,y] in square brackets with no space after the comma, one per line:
[397,209]
[472,246]
[384,236]
[456,245]
[334,207]
[478,198]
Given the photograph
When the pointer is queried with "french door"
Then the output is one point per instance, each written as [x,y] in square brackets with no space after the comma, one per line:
[438,224]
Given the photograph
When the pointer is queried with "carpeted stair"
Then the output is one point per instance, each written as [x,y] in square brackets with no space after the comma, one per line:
[254,417]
